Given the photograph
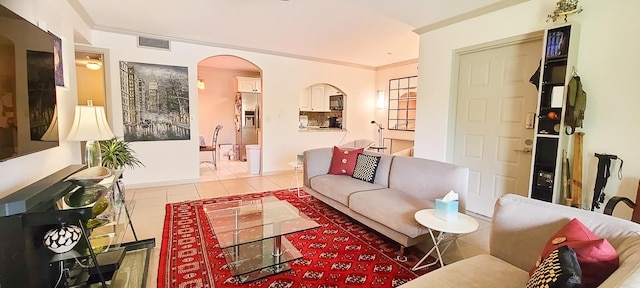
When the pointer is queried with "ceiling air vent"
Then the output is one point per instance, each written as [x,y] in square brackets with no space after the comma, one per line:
[154,43]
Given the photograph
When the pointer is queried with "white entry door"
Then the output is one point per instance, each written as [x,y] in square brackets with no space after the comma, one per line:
[491,137]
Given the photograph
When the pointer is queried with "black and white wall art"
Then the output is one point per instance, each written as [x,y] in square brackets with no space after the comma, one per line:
[42,92]
[155,102]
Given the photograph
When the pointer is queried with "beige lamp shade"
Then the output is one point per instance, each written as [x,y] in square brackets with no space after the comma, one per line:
[90,124]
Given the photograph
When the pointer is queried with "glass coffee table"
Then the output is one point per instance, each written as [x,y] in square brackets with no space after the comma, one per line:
[251,234]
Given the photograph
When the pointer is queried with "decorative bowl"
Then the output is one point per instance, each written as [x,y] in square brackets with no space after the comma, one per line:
[63,238]
[86,197]
[90,176]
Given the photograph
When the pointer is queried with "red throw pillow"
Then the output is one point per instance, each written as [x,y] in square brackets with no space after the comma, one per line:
[344,161]
[597,258]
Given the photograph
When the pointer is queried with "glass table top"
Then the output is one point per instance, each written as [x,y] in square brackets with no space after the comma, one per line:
[244,221]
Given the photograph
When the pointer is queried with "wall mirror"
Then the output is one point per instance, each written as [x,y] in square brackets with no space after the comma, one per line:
[402,103]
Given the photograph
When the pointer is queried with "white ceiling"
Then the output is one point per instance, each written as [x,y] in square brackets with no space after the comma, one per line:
[364,32]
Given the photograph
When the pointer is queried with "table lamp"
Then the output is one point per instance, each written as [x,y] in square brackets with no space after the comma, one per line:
[90,124]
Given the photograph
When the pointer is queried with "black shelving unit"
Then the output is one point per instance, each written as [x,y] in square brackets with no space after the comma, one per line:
[557,65]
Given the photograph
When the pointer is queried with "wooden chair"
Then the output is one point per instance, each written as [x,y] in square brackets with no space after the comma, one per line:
[212,148]
[611,205]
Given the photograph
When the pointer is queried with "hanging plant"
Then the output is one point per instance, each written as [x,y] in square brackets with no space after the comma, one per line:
[563,9]
[116,154]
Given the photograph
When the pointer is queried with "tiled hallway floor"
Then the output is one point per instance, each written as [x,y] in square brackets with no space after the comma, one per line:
[149,208]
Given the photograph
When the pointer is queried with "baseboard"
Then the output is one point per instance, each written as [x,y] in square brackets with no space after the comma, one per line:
[164,183]
[479,216]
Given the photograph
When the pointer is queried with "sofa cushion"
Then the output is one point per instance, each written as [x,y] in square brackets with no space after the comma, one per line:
[339,187]
[424,178]
[476,272]
[384,166]
[343,161]
[391,208]
[560,270]
[597,257]
[366,167]
[628,274]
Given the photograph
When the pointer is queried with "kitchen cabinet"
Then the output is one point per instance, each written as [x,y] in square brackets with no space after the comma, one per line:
[248,84]
[330,91]
[305,101]
[319,101]
[314,99]
[558,63]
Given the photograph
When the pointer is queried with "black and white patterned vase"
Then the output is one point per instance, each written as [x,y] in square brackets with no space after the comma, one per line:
[63,238]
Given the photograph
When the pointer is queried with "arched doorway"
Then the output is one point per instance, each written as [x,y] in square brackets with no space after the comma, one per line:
[231,96]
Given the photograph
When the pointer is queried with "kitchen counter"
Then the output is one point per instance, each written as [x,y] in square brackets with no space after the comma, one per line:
[321,129]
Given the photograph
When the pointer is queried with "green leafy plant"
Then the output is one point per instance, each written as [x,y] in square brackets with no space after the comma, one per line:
[563,9]
[116,154]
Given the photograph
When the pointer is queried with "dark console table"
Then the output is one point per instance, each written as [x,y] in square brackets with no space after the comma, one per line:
[29,213]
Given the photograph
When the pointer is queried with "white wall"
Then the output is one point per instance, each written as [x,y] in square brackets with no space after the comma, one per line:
[62,20]
[607,64]
[283,79]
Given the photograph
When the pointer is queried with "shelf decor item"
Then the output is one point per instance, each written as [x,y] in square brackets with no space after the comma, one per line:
[563,9]
[86,197]
[90,176]
[63,238]
[117,154]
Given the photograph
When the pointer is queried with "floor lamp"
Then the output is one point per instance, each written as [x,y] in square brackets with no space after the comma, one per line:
[90,124]
[380,142]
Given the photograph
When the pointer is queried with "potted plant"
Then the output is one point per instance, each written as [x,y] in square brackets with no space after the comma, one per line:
[116,154]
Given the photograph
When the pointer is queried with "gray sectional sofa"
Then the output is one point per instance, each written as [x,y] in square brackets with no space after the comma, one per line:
[402,186]
[520,229]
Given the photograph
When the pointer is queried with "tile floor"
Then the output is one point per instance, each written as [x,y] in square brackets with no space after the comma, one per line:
[232,178]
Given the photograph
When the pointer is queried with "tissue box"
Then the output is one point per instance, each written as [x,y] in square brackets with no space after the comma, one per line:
[447,211]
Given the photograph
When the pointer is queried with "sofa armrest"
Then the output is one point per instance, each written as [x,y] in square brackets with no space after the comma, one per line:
[316,162]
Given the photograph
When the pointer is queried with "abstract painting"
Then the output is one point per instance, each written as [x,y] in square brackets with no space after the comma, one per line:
[155,102]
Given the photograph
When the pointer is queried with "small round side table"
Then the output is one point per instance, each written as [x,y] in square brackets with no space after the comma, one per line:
[296,166]
[427,218]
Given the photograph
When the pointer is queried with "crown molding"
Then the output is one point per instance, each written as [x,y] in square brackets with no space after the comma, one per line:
[398,64]
[82,12]
[468,15]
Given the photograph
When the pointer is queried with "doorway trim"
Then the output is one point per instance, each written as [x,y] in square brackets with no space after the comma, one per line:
[243,67]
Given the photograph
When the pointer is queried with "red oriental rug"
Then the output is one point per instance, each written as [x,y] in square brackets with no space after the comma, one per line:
[340,253]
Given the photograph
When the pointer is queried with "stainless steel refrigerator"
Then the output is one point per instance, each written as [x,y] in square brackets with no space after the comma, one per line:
[247,120]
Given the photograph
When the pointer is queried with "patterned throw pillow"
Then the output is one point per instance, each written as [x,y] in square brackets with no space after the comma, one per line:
[366,166]
[597,257]
[344,161]
[560,270]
